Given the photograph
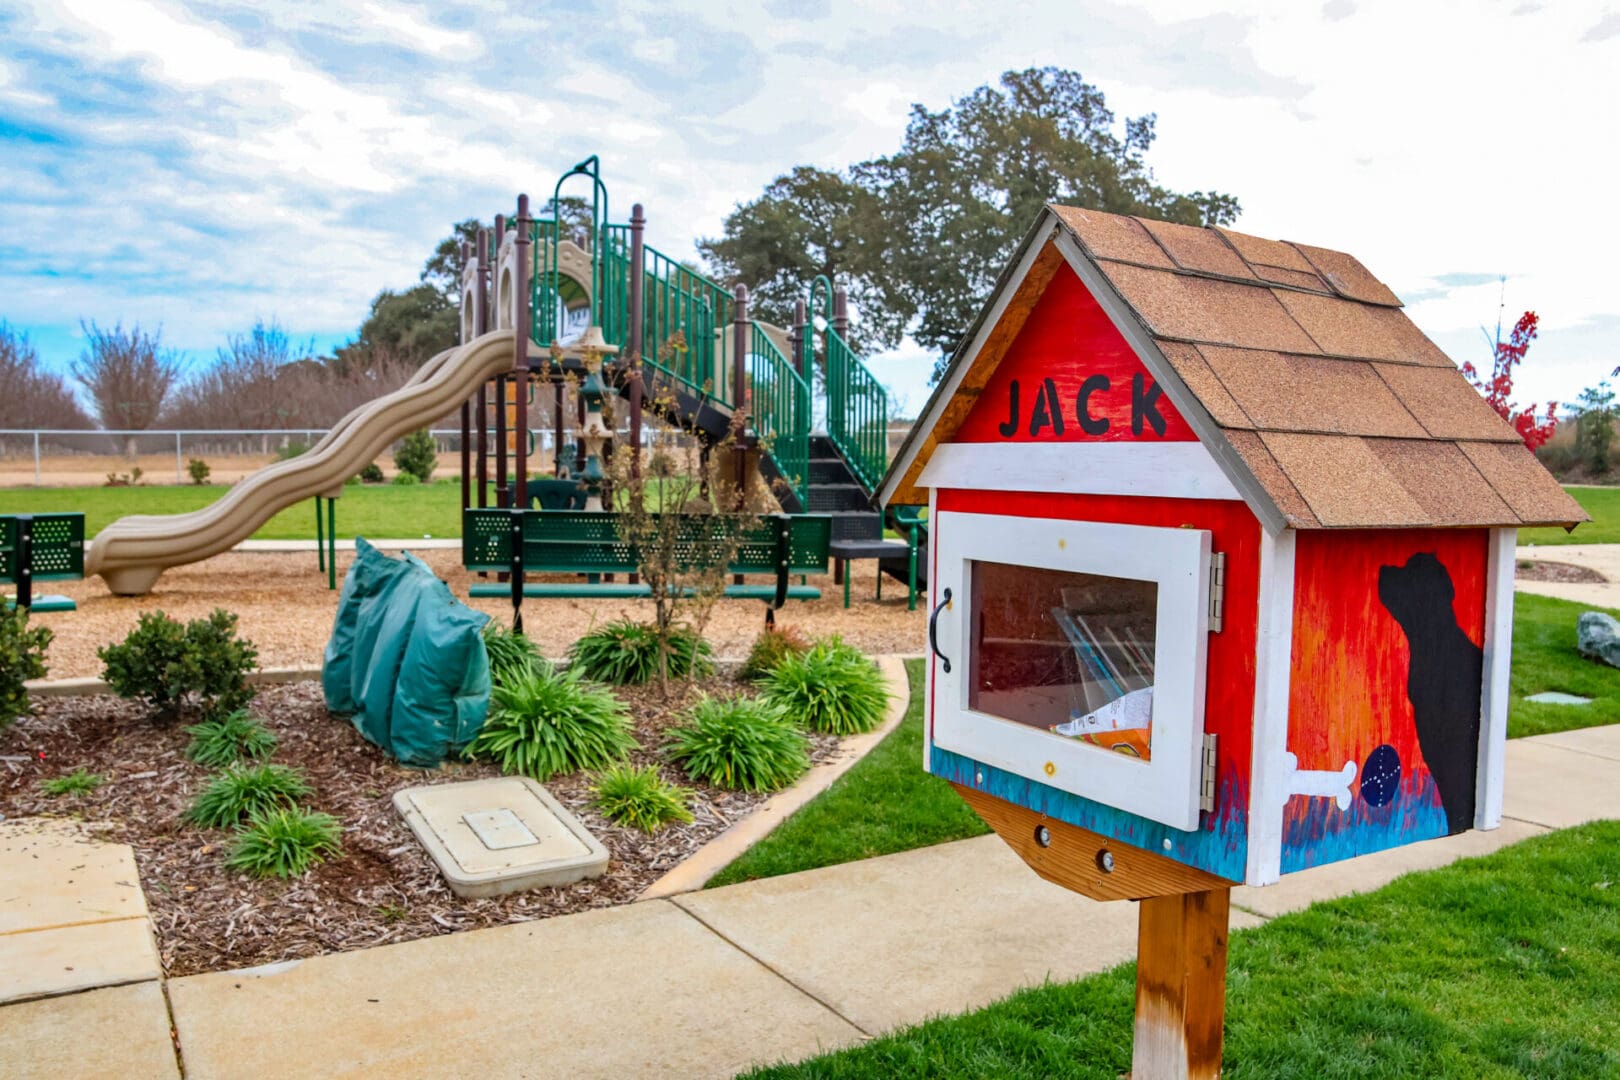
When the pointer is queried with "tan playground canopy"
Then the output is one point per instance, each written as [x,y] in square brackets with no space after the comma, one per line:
[1294,364]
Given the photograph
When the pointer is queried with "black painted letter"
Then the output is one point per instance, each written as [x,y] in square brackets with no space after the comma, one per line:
[1010,426]
[1145,406]
[1091,425]
[1048,410]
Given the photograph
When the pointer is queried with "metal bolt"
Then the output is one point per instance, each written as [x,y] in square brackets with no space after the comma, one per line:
[978,776]
[1105,861]
[1043,836]
[1168,844]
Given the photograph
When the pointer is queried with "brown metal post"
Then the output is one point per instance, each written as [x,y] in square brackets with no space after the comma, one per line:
[482,296]
[502,492]
[579,425]
[800,319]
[638,225]
[520,361]
[739,393]
[557,417]
[466,406]
[841,312]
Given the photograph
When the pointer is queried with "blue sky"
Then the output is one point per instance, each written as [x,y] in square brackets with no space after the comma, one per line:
[200,165]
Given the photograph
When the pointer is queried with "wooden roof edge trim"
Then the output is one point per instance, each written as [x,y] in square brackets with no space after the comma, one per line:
[1046,226]
[1146,347]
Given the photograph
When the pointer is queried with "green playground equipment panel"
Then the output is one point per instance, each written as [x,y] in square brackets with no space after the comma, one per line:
[41,547]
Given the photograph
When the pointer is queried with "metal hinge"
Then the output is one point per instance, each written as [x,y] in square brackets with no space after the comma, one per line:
[1206,785]
[1217,590]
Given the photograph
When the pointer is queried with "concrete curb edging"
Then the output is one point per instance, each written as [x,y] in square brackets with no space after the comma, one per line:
[717,854]
[275,676]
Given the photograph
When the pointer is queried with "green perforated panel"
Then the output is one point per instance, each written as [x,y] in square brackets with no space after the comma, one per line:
[58,542]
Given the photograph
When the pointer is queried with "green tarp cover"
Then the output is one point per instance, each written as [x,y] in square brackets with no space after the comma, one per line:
[406,659]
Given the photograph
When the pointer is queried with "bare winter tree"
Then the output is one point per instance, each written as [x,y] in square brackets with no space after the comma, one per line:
[128,374]
[30,396]
[252,383]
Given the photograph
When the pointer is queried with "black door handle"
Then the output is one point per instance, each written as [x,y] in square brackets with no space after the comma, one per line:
[933,630]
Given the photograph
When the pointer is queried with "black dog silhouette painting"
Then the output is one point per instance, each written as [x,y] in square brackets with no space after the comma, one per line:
[1443,678]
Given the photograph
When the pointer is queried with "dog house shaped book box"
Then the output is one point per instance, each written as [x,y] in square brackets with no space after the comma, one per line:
[1220,562]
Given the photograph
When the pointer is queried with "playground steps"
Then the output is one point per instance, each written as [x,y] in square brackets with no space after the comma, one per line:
[839,494]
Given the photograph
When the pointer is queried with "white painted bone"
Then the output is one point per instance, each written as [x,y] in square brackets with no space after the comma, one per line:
[1317,783]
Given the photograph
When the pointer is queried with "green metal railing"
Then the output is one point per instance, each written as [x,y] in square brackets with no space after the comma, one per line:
[857,412]
[779,409]
[686,318]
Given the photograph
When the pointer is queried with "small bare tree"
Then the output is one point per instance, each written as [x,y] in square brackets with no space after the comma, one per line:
[128,374]
[30,396]
[247,385]
[687,527]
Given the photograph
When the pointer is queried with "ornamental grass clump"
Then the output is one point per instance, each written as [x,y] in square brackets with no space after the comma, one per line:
[625,653]
[237,735]
[773,645]
[544,722]
[739,743]
[80,781]
[832,688]
[241,792]
[284,842]
[510,653]
[639,798]
[172,666]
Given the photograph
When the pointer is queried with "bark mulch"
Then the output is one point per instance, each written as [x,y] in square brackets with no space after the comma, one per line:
[383,888]
[1540,570]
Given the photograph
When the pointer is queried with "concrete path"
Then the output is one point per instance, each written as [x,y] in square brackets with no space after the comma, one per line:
[708,983]
[1604,558]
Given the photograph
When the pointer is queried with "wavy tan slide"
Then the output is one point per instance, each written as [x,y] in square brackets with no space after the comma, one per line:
[133,551]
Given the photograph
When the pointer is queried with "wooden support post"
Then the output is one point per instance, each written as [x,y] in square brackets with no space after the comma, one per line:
[1180,986]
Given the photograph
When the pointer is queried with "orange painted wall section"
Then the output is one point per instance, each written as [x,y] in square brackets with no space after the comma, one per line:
[1066,347]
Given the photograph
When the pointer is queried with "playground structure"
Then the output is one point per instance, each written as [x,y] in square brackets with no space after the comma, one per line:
[593,312]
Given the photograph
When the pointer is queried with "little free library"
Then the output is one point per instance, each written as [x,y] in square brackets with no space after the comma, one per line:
[1221,572]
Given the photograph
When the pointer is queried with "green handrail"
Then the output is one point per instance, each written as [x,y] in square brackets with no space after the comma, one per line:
[686,318]
[779,409]
[857,412]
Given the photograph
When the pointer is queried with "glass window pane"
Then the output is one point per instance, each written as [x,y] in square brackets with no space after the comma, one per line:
[1068,653]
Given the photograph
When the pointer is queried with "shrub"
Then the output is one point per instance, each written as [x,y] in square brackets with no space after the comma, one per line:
[240,792]
[221,742]
[625,653]
[129,479]
[416,455]
[371,474]
[292,450]
[198,470]
[78,782]
[771,647]
[833,688]
[22,657]
[638,798]
[284,842]
[509,653]
[741,743]
[406,479]
[543,722]
[171,666]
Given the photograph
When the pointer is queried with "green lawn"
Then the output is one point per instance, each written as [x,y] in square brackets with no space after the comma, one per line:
[886,803]
[1603,503]
[1504,966]
[1544,658]
[380,511]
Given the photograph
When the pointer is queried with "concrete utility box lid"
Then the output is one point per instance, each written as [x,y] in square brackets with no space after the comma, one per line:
[491,837]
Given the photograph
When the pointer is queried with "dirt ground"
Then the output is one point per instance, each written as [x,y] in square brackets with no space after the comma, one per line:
[286,610]
[382,888]
[1541,570]
[90,470]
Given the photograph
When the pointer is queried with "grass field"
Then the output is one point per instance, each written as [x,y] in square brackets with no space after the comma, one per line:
[1544,658]
[1603,503]
[379,511]
[1505,966]
[886,803]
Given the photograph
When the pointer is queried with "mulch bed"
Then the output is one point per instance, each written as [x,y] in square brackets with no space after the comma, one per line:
[1539,570]
[384,888]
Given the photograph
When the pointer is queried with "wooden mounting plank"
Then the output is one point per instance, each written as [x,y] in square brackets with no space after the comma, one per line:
[1073,857]
[1180,986]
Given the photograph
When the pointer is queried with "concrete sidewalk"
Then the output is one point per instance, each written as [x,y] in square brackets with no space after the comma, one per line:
[1603,558]
[708,983]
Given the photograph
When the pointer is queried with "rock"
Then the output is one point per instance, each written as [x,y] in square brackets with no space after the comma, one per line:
[1597,636]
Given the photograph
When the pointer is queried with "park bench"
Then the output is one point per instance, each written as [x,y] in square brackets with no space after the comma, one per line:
[41,547]
[591,543]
